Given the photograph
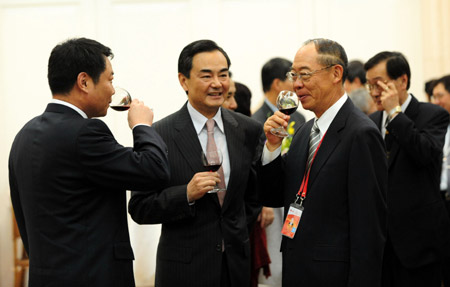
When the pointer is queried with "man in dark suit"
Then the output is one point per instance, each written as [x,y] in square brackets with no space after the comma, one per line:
[68,175]
[204,238]
[414,134]
[341,188]
[440,93]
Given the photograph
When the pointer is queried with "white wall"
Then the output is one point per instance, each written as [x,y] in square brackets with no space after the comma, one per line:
[147,37]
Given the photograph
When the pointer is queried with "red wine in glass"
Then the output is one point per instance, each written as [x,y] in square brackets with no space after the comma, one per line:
[287,103]
[212,161]
[121,100]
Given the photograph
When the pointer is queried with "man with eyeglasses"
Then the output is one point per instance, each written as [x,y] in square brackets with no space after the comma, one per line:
[414,134]
[332,182]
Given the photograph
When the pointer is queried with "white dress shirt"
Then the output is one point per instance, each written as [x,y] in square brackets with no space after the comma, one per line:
[199,122]
[323,122]
[78,110]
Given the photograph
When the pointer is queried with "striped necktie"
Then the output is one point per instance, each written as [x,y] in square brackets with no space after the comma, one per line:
[314,139]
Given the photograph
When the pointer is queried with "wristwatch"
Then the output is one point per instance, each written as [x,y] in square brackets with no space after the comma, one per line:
[394,111]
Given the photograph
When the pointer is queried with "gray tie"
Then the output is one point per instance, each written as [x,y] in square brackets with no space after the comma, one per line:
[211,146]
[314,139]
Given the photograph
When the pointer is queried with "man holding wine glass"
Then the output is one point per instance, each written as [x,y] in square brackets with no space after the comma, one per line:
[68,175]
[204,237]
[332,182]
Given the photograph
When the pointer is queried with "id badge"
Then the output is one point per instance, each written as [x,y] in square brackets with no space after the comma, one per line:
[292,220]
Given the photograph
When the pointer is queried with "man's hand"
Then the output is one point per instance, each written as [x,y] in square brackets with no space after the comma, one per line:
[265,218]
[139,114]
[201,183]
[278,119]
[389,95]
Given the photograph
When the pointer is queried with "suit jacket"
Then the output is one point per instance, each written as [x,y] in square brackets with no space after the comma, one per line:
[68,177]
[417,221]
[341,235]
[264,112]
[190,246]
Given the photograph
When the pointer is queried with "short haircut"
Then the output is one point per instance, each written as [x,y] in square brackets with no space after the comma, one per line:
[445,80]
[275,68]
[72,57]
[330,53]
[194,48]
[396,65]
[356,70]
[243,98]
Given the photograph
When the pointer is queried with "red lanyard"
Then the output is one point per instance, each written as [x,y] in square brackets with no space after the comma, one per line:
[304,187]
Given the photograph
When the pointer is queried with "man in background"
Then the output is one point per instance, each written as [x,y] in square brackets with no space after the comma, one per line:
[68,175]
[356,89]
[204,237]
[414,134]
[440,93]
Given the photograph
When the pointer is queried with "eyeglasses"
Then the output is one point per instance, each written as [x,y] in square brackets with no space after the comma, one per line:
[304,76]
[372,87]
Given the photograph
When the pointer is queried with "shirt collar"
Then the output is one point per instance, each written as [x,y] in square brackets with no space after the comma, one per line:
[328,116]
[67,104]
[271,106]
[199,120]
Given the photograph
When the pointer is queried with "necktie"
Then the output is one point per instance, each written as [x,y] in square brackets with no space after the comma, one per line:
[314,139]
[211,146]
[387,137]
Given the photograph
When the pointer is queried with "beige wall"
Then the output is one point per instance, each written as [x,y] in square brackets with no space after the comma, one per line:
[147,36]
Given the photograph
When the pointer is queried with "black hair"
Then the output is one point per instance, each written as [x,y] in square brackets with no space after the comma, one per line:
[194,48]
[356,70]
[396,65]
[275,68]
[243,98]
[72,57]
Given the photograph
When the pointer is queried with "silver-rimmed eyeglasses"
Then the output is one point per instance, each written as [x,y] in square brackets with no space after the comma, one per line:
[304,76]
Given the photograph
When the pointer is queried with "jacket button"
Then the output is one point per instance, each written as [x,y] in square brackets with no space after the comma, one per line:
[219,247]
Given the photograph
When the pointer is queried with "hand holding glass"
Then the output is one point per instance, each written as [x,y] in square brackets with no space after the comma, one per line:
[212,161]
[287,103]
[121,100]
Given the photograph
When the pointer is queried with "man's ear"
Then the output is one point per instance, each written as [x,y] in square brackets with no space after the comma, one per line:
[276,85]
[83,80]
[183,82]
[403,81]
[338,72]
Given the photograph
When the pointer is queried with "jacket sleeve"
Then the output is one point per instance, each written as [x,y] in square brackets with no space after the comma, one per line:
[109,164]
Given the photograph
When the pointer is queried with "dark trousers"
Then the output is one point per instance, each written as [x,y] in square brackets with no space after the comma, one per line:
[394,274]
[225,273]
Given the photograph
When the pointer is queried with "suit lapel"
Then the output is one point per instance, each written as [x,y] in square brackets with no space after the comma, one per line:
[330,140]
[235,140]
[186,140]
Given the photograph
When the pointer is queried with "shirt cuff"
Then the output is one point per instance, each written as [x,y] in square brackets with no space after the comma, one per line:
[141,125]
[268,156]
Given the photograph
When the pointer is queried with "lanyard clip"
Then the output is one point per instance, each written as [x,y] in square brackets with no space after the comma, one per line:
[301,200]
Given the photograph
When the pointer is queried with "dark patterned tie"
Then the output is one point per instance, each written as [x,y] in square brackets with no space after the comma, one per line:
[211,146]
[314,139]
[387,137]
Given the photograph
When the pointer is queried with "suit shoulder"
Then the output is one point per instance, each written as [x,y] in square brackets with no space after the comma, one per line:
[245,120]
[261,114]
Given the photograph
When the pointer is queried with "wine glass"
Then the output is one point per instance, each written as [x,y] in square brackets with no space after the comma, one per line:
[121,100]
[287,103]
[212,161]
